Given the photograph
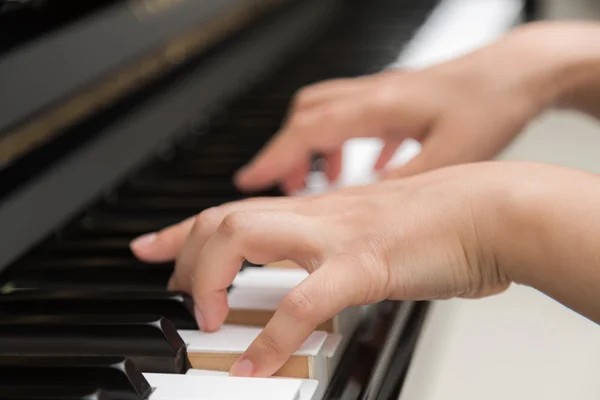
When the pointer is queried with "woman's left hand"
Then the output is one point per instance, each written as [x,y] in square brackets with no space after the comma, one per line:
[430,236]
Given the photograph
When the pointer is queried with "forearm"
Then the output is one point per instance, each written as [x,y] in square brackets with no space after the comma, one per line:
[572,52]
[551,239]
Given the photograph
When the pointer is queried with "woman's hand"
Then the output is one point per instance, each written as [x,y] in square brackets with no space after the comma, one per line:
[461,111]
[432,236]
[460,231]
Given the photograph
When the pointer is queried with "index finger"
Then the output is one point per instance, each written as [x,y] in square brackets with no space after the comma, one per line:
[285,153]
[322,295]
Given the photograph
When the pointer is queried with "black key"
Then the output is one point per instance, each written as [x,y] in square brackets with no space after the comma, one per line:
[64,281]
[242,151]
[65,392]
[175,306]
[91,273]
[178,186]
[89,263]
[100,247]
[151,342]
[202,168]
[204,163]
[181,187]
[53,377]
[156,205]
[111,224]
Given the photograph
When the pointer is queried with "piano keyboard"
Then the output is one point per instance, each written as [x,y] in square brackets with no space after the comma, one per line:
[81,318]
[88,320]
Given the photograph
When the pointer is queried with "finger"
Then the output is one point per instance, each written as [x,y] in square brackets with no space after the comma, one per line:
[286,152]
[333,89]
[334,165]
[322,295]
[297,179]
[205,224]
[164,245]
[386,154]
[445,145]
[260,237]
[313,95]
[322,130]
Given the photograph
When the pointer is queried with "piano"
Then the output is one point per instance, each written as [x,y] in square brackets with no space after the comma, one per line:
[118,118]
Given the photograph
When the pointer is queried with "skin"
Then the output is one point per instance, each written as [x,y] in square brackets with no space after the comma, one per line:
[450,223]
[447,107]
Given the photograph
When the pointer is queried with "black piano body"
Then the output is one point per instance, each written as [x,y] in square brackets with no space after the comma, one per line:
[121,117]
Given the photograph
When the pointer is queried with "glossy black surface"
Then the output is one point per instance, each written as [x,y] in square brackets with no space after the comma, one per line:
[176,307]
[39,377]
[102,273]
[402,357]
[65,392]
[151,342]
[358,363]
[352,380]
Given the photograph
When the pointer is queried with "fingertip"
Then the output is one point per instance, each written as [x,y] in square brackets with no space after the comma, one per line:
[243,368]
[144,240]
[250,178]
[211,311]
[241,177]
[200,319]
[142,246]
[164,245]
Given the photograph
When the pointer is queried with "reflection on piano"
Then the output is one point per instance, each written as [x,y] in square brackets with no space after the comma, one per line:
[121,117]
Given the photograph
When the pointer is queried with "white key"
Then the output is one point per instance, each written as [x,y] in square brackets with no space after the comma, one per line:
[214,387]
[358,164]
[310,389]
[457,27]
[258,277]
[258,292]
[219,350]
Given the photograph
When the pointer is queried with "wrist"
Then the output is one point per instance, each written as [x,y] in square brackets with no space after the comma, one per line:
[548,238]
[530,207]
[567,55]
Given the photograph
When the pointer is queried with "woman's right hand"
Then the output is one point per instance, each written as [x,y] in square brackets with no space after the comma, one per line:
[462,111]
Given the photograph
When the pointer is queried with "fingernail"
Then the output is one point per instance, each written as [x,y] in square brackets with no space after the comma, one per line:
[199,319]
[144,240]
[243,368]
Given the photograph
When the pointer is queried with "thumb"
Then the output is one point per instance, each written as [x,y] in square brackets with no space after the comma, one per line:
[323,294]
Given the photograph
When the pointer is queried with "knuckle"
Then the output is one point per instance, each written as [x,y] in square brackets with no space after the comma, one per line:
[301,121]
[303,96]
[300,307]
[205,219]
[233,224]
[386,94]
